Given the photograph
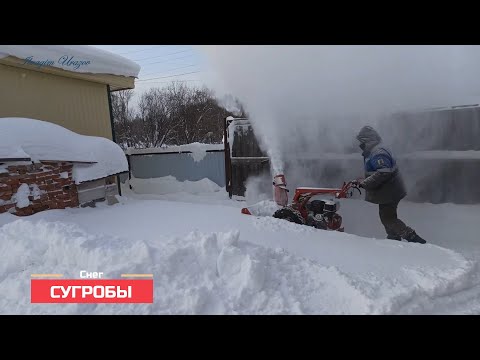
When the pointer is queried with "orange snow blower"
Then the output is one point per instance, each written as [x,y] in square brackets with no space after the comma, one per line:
[321,214]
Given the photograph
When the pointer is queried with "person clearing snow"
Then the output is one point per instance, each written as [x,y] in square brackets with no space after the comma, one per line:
[384,185]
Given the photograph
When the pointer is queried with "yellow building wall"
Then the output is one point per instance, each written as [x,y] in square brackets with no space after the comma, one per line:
[78,105]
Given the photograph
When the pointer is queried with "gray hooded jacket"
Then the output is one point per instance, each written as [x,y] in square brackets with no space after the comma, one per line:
[383,182]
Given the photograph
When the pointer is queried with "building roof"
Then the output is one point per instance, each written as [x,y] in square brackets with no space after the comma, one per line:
[76,61]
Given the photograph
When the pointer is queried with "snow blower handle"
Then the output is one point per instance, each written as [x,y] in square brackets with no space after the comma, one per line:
[356,184]
[345,191]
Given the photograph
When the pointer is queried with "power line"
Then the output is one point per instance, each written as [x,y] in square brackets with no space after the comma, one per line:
[154,73]
[161,61]
[168,60]
[154,57]
[169,76]
[135,51]
[166,82]
[177,58]
[163,72]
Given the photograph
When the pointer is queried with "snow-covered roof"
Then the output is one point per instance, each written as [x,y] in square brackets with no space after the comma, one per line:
[40,140]
[75,58]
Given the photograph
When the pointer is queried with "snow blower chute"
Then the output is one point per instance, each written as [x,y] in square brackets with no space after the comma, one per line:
[280,191]
[321,214]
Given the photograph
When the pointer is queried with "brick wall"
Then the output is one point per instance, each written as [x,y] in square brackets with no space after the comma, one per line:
[50,186]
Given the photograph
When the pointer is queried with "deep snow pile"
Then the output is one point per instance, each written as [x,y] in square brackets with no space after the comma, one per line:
[214,273]
[201,192]
[77,58]
[170,185]
[41,140]
[196,150]
[210,259]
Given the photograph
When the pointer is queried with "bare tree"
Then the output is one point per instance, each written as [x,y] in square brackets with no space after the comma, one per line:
[194,115]
[174,115]
[199,117]
[155,110]
[123,116]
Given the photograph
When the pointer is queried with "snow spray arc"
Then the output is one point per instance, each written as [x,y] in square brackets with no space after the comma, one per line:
[65,61]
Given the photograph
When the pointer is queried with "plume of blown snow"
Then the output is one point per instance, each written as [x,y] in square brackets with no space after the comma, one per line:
[314,99]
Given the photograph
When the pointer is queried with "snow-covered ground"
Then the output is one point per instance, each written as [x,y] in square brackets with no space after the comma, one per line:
[208,258]
[170,185]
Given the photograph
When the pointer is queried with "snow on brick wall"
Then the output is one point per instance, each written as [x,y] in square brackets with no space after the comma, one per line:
[28,189]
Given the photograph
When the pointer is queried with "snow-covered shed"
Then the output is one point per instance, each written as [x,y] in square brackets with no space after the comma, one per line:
[45,166]
[68,85]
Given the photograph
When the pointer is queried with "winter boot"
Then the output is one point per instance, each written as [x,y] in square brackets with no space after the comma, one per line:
[415,238]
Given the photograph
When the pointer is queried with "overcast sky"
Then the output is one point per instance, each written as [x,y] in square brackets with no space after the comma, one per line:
[160,64]
[286,78]
[373,72]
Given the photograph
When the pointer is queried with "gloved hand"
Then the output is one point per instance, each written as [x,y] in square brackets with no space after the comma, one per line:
[357,182]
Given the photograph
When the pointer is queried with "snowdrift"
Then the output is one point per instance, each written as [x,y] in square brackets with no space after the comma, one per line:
[77,58]
[209,259]
[41,140]
[170,185]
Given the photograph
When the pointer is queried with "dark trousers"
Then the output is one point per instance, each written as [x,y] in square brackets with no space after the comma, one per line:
[395,228]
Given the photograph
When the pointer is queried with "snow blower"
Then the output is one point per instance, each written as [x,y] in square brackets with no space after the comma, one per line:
[321,214]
